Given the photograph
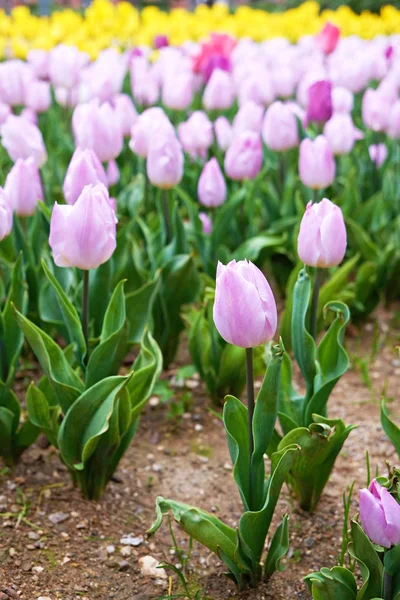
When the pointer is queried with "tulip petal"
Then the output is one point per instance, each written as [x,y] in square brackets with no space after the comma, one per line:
[373,519]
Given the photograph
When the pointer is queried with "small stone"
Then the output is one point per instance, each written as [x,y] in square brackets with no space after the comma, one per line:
[82,525]
[4,596]
[58,517]
[65,560]
[154,401]
[26,566]
[126,551]
[74,514]
[156,468]
[198,427]
[110,549]
[309,542]
[38,570]
[33,535]
[227,466]
[30,547]
[191,384]
[12,552]
[131,540]
[64,535]
[44,598]
[119,564]
[149,568]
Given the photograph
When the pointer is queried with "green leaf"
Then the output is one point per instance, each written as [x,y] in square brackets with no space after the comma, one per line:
[146,370]
[390,428]
[278,548]
[139,305]
[101,287]
[235,420]
[303,344]
[334,584]
[41,415]
[252,248]
[370,564]
[335,284]
[6,434]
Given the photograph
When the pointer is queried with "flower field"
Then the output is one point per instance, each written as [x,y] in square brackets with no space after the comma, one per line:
[199,318]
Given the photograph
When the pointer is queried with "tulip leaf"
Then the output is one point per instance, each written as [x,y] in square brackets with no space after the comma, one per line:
[254,247]
[390,428]
[42,415]
[146,370]
[139,305]
[278,548]
[235,420]
[335,285]
[331,584]
[370,564]
[303,344]
[100,292]
[6,434]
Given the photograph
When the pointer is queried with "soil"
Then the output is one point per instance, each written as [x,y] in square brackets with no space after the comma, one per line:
[184,458]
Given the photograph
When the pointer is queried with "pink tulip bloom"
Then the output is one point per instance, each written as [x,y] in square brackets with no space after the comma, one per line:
[6,215]
[112,173]
[219,92]
[23,187]
[244,308]
[126,112]
[38,96]
[328,38]
[29,115]
[249,117]
[196,134]
[97,126]
[39,61]
[341,133]
[393,128]
[5,111]
[84,235]
[257,88]
[211,189]
[146,89]
[380,515]
[84,169]
[284,80]
[178,91]
[104,77]
[322,237]
[378,153]
[223,133]
[316,163]
[244,156]
[14,76]
[65,64]
[151,122]
[375,110]
[165,161]
[206,223]
[342,100]
[319,107]
[280,128]
[23,140]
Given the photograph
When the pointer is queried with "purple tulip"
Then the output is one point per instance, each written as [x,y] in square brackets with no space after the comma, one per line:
[126,113]
[244,156]
[206,223]
[211,189]
[23,139]
[375,110]
[223,133]
[84,235]
[319,106]
[6,215]
[84,169]
[150,123]
[280,129]
[316,163]
[244,308]
[23,187]
[322,237]
[380,515]
[196,134]
[165,161]
[38,96]
[160,41]
[378,153]
[219,92]
[341,133]
[97,126]
[249,117]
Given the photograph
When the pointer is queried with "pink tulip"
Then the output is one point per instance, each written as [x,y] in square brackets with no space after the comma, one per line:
[393,128]
[244,308]
[104,78]
[97,126]
[23,187]
[223,133]
[112,173]
[378,153]
[160,41]
[249,117]
[38,96]
[244,156]
[65,64]
[375,110]
[22,139]
[84,169]
[66,97]
[322,237]
[211,189]
[165,161]
[341,133]
[152,122]
[146,89]
[29,115]
[319,107]
[196,134]
[316,163]
[38,60]
[14,76]
[126,113]
[6,215]
[219,93]
[178,91]
[280,128]
[380,515]
[257,88]
[328,38]
[284,80]
[5,111]
[342,100]
[84,235]
[206,223]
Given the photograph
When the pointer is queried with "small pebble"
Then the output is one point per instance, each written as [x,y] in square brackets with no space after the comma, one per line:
[149,568]
[38,570]
[131,540]
[58,517]
[156,468]
[110,549]
[126,551]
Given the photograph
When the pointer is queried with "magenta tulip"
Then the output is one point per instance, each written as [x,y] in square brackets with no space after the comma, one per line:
[319,107]
[211,189]
[23,139]
[328,38]
[6,215]
[223,133]
[165,161]
[150,123]
[160,41]
[206,223]
[84,235]
[219,93]
[97,126]
[378,153]
[244,308]
[316,163]
[380,515]
[84,169]
[322,238]
[280,128]
[244,156]
[196,134]
[23,187]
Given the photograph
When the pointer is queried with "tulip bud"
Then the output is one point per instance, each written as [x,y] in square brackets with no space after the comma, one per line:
[316,163]
[244,156]
[328,38]
[151,122]
[219,93]
[319,106]
[342,100]
[380,515]
[23,187]
[378,153]
[126,113]
[23,139]
[160,41]
[6,215]
[244,307]
[206,223]
[177,92]
[280,129]
[375,110]
[341,133]
[322,237]
[84,169]
[223,132]
[196,134]
[249,117]
[211,189]
[38,96]
[84,235]
[97,126]
[165,162]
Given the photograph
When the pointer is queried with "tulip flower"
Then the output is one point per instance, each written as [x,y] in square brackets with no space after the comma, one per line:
[378,153]
[178,91]
[126,113]
[244,156]
[29,115]
[375,110]
[5,111]
[280,129]
[244,308]
[380,515]
[84,169]
[328,38]
[84,235]
[23,187]
[38,96]
[65,64]
[14,76]
[341,133]
[6,215]
[151,122]
[206,223]
[393,128]
[160,41]
[23,139]
[38,60]
[319,107]
[322,237]
[256,88]
[316,163]
[146,89]
[97,126]
[196,134]
[104,78]
[112,173]
[211,189]
[249,117]
[165,161]
[284,80]
[223,133]
[219,93]
[342,100]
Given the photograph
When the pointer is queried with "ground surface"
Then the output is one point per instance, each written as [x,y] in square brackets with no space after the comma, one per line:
[55,545]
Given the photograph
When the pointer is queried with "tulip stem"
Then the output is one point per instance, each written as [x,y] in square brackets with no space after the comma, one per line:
[167,216]
[85,312]
[314,303]
[387,585]
[250,413]
[315,195]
